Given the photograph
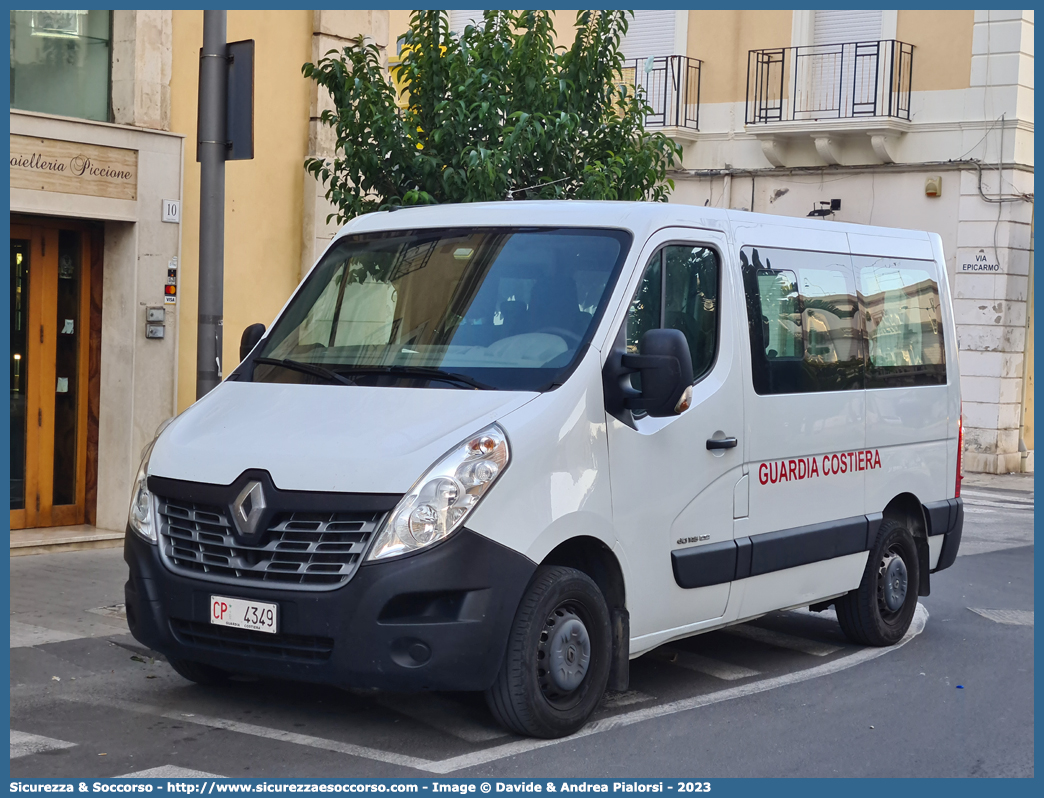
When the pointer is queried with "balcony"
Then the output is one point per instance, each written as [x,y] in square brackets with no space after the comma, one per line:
[830,91]
[672,89]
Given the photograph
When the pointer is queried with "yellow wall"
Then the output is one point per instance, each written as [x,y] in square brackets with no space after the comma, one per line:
[942,43]
[263,197]
[721,39]
[399,22]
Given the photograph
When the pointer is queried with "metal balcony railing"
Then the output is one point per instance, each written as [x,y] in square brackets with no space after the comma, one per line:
[672,89]
[855,80]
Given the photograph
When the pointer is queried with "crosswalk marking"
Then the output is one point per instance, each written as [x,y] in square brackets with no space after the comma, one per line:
[260,731]
[782,640]
[975,495]
[442,714]
[1012,617]
[706,665]
[24,744]
[1001,505]
[170,772]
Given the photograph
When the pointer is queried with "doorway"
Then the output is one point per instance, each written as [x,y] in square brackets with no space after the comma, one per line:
[50,370]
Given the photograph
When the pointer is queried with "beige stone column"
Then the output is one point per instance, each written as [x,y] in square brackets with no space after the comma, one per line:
[142,47]
[332,30]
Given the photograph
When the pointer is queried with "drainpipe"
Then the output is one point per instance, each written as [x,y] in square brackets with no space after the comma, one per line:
[212,149]
[1025,360]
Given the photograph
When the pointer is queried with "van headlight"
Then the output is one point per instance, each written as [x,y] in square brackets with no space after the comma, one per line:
[441,499]
[140,517]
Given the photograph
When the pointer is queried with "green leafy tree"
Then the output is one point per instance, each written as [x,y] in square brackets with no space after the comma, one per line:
[493,112]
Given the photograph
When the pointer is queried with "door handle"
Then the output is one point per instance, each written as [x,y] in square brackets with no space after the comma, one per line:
[721,443]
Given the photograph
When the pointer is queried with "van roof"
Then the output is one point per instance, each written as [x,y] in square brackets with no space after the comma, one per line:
[641,218]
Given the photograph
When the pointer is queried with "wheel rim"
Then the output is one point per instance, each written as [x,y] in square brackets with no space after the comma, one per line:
[563,656]
[893,581]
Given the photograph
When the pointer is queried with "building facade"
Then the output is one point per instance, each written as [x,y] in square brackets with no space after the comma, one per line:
[915,119]
[105,237]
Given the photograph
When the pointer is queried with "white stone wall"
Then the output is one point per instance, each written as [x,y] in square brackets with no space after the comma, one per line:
[142,51]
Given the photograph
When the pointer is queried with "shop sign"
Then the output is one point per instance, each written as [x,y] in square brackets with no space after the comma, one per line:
[69,167]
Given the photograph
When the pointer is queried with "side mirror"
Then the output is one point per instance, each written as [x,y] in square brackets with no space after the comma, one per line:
[666,368]
[251,335]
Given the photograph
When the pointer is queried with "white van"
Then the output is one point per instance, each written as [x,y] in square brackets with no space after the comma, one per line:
[508,447]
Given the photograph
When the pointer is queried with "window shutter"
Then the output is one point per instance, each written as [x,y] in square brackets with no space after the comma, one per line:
[839,27]
[649,33]
[461,19]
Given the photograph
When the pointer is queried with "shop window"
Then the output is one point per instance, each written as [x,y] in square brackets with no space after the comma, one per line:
[60,62]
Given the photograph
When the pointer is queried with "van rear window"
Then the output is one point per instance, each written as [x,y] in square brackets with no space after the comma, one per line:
[903,323]
[805,331]
[823,321]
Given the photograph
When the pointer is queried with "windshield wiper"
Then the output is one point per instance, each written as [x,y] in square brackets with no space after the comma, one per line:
[418,371]
[306,368]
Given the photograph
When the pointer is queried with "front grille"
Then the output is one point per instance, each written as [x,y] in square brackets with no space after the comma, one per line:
[307,550]
[246,641]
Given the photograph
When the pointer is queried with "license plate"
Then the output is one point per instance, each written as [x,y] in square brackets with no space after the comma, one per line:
[243,614]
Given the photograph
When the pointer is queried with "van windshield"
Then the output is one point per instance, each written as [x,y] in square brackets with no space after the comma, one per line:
[498,308]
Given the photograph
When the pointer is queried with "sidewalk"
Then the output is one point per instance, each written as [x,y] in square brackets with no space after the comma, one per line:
[1021,482]
[49,540]
[67,596]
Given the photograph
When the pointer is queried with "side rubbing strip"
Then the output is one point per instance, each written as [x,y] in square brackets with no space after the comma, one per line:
[873,524]
[788,548]
[703,566]
[743,548]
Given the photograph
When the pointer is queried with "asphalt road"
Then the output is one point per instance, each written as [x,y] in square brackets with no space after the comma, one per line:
[786,695]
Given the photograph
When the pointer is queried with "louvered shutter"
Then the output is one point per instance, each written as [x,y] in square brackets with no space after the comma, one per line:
[461,19]
[649,33]
[841,84]
[837,27]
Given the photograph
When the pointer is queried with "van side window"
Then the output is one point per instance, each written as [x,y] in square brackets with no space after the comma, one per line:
[644,313]
[679,291]
[691,301]
[903,322]
[803,315]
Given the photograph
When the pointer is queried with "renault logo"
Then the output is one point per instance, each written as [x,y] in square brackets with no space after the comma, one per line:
[248,508]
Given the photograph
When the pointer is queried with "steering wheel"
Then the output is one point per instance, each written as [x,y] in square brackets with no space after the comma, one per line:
[562,332]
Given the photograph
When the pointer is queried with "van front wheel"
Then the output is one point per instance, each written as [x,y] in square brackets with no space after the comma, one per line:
[557,662]
[879,611]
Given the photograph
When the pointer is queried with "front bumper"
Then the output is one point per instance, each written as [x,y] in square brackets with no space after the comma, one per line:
[435,620]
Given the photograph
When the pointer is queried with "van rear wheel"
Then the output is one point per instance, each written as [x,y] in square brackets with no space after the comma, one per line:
[879,611]
[557,662]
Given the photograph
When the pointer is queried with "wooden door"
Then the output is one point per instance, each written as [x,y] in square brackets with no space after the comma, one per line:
[50,310]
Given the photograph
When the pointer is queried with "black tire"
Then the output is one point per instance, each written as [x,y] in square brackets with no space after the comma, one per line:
[527,698]
[872,614]
[199,673]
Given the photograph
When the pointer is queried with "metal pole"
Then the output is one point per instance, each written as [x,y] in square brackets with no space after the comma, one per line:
[212,147]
